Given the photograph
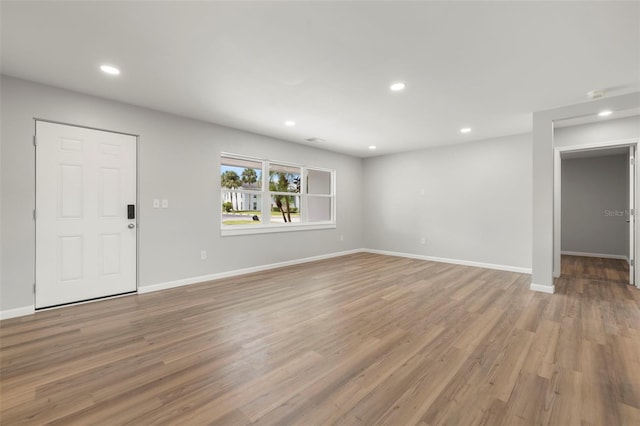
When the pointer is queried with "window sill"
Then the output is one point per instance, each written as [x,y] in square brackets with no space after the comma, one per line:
[229,231]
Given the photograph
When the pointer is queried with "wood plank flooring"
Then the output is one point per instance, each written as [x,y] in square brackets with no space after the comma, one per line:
[359,340]
[595,268]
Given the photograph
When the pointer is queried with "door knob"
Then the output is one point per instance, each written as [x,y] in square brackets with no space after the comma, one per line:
[131,226]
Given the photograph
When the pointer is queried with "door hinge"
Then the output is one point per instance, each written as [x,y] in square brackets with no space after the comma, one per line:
[34,288]
[35,141]
[35,214]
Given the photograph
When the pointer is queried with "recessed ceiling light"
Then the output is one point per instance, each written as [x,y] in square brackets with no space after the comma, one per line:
[465,130]
[396,87]
[372,147]
[605,113]
[289,123]
[110,69]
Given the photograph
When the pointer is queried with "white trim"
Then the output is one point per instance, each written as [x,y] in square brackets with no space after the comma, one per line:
[230,230]
[604,256]
[84,302]
[557,188]
[557,198]
[244,271]
[542,288]
[265,226]
[276,162]
[17,312]
[28,310]
[598,145]
[557,213]
[64,123]
[453,261]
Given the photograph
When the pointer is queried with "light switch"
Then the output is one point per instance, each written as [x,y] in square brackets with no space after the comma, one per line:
[156,203]
[165,203]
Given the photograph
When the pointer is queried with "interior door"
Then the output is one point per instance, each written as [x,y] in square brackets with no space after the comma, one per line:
[632,213]
[85,228]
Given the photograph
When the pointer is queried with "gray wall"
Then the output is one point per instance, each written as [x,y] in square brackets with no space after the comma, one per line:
[178,160]
[476,204]
[591,187]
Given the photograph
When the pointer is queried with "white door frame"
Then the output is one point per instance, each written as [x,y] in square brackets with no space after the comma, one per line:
[138,207]
[557,195]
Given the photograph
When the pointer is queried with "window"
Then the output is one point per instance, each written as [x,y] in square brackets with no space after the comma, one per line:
[269,196]
[241,191]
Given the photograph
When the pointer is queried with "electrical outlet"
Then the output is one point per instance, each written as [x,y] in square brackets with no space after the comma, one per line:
[422,191]
[165,203]
[203,255]
[341,237]
[423,240]
[156,203]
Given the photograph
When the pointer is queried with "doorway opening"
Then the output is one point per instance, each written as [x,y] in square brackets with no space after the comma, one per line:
[594,204]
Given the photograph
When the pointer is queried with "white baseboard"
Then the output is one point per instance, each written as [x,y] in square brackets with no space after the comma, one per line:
[453,261]
[542,288]
[27,310]
[604,256]
[17,312]
[244,271]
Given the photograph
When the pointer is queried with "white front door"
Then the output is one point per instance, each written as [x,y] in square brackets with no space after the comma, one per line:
[85,241]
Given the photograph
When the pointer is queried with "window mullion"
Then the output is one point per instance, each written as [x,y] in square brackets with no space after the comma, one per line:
[266,196]
[304,205]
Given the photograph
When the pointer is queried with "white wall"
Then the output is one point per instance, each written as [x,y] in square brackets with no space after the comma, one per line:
[545,219]
[603,131]
[476,205]
[178,160]
[591,187]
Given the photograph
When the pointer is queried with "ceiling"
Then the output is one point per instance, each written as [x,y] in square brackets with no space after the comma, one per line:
[328,65]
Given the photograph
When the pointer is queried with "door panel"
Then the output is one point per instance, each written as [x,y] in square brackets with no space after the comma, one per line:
[70,189]
[84,181]
[70,255]
[110,196]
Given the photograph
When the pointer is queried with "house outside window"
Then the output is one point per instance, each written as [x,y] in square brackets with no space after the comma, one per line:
[259,195]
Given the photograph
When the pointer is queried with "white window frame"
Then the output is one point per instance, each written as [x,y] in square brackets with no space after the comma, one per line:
[265,225]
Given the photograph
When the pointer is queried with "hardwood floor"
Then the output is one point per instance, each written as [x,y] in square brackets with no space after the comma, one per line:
[363,339]
[595,268]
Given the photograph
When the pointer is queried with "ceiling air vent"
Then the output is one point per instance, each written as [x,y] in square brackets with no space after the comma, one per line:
[315,140]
